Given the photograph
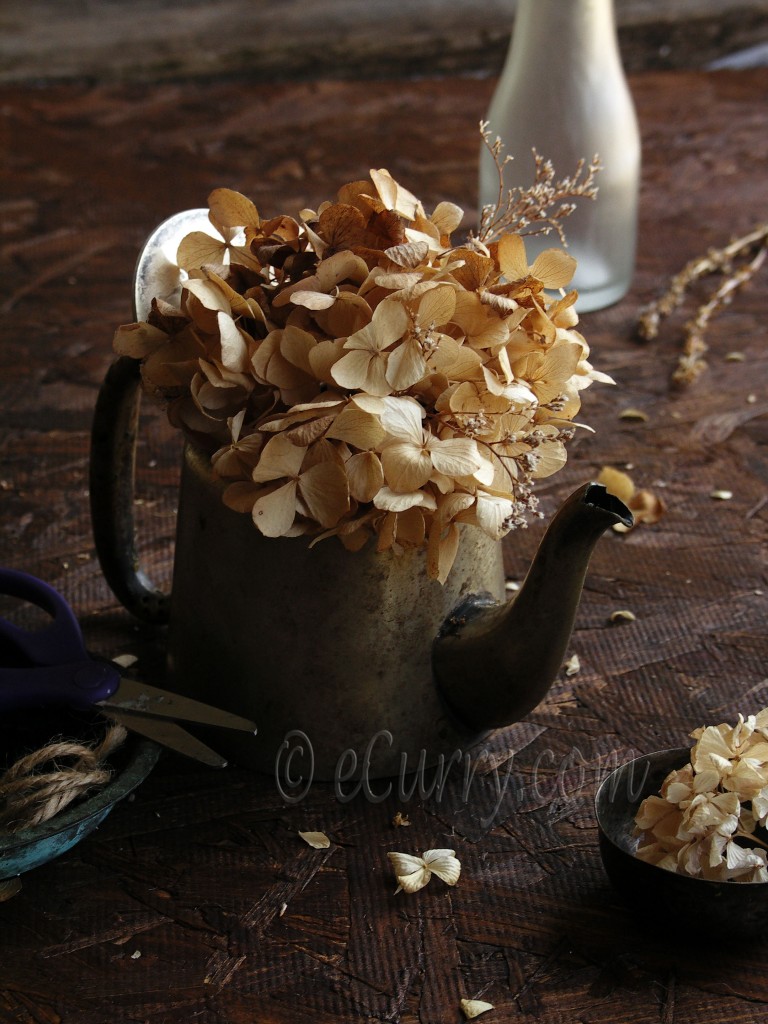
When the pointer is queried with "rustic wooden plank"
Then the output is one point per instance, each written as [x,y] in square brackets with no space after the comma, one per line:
[193,874]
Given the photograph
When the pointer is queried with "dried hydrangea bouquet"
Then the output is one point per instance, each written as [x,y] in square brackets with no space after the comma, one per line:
[353,372]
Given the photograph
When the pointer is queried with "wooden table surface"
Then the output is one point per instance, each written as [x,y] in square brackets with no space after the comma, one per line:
[197,901]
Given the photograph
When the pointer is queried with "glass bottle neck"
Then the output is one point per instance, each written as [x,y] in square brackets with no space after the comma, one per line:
[559,29]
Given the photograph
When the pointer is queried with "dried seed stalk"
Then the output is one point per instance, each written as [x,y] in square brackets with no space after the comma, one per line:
[691,362]
[534,210]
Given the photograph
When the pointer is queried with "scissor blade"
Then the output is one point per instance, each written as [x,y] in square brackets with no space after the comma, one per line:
[167,734]
[136,696]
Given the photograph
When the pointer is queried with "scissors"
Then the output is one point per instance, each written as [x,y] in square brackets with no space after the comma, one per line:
[50,667]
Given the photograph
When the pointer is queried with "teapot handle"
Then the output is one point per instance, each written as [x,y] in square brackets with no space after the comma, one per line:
[112,478]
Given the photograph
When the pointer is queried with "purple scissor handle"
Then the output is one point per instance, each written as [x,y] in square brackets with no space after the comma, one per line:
[50,666]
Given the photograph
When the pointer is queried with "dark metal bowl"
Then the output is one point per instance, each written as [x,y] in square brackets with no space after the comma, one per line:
[671,900]
[29,848]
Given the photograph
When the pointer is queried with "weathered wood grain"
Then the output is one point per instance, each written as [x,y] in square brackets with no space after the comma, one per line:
[197,901]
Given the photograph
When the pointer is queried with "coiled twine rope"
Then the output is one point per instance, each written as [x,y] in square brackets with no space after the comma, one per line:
[42,783]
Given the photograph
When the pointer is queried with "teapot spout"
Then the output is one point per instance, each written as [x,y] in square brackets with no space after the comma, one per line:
[494,663]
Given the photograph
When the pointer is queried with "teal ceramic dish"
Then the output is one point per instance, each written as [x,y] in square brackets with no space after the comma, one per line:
[30,848]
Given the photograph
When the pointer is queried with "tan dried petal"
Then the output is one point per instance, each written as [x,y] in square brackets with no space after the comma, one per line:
[325,491]
[472,1008]
[554,268]
[232,209]
[406,466]
[357,427]
[408,255]
[317,840]
[138,340]
[394,196]
[512,258]
[198,248]
[279,458]
[365,475]
[413,873]
[573,665]
[394,501]
[622,615]
[447,217]
[633,414]
[274,513]
[442,549]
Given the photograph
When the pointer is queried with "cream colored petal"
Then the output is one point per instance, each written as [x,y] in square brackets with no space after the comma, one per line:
[710,742]
[390,322]
[474,1007]
[312,300]
[207,294]
[234,346]
[197,248]
[365,371]
[317,840]
[554,268]
[491,512]
[394,196]
[406,366]
[444,864]
[325,492]
[445,357]
[365,475]
[549,458]
[393,501]
[408,255]
[274,513]
[361,429]
[401,418]
[406,466]
[513,261]
[279,458]
[437,307]
[411,872]
[442,548]
[455,457]
[447,217]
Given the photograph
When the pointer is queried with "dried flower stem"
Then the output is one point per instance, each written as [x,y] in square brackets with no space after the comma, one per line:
[750,837]
[532,210]
[691,362]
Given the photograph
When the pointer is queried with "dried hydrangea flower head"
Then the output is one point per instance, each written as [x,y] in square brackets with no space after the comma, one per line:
[354,373]
[704,821]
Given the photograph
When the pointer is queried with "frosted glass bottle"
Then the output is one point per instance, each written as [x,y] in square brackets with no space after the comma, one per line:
[564,92]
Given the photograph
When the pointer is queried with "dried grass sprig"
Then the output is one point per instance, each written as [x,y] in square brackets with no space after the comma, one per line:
[691,362]
[542,206]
